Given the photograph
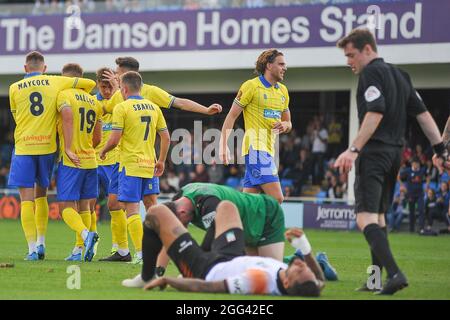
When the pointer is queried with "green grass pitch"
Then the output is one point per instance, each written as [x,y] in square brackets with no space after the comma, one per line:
[425,261]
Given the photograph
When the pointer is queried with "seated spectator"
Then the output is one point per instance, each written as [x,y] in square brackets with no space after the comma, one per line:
[395,213]
[433,210]
[216,173]
[301,171]
[414,177]
[173,180]
[432,174]
[443,197]
[287,192]
[335,189]
[165,187]
[200,174]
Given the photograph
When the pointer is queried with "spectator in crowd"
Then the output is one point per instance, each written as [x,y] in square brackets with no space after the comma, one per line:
[216,173]
[335,190]
[319,148]
[443,197]
[406,155]
[173,180]
[395,214]
[301,171]
[414,177]
[191,5]
[308,137]
[200,174]
[432,174]
[433,210]
[334,138]
[420,155]
[165,187]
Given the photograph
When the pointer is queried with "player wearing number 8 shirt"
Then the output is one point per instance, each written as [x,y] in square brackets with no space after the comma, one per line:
[33,106]
[135,124]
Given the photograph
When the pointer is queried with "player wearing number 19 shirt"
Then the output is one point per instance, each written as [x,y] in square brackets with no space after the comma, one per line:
[33,106]
[79,130]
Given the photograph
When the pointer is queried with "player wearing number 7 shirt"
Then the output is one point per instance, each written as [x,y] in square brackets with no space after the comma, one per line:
[136,121]
[33,106]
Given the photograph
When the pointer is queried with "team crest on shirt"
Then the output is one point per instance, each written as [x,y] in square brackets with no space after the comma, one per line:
[283,99]
[372,93]
[239,95]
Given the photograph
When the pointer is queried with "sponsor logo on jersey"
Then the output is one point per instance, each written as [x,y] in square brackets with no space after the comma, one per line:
[208,219]
[107,126]
[273,114]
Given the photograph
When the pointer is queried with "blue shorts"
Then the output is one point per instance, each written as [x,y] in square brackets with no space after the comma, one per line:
[133,189]
[260,168]
[27,170]
[114,179]
[75,184]
[104,177]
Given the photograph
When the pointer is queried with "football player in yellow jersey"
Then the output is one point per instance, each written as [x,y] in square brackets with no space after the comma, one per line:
[135,124]
[79,130]
[265,104]
[163,100]
[33,106]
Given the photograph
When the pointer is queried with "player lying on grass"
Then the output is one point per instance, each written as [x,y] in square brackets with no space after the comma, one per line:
[224,269]
[261,215]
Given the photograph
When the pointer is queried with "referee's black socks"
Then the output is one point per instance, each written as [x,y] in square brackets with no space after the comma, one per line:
[151,247]
[375,260]
[379,246]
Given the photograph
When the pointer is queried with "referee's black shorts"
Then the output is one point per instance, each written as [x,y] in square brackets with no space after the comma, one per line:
[376,168]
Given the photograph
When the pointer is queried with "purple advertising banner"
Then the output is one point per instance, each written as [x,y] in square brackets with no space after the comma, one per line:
[403,22]
[329,216]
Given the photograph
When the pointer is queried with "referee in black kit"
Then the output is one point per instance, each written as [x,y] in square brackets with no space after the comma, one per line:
[385,97]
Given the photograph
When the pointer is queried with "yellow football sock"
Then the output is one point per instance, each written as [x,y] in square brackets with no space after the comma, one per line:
[93,226]
[41,218]
[27,219]
[119,228]
[73,220]
[136,231]
[86,217]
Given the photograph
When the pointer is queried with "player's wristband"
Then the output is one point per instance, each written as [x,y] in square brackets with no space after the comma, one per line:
[439,149]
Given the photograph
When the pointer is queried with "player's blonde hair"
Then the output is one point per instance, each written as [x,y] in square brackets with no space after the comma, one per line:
[265,58]
[132,80]
[72,69]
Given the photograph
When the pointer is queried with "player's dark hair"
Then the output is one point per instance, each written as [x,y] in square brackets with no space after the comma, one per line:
[359,37]
[72,69]
[34,60]
[132,80]
[171,205]
[100,74]
[265,58]
[177,195]
[129,63]
[305,289]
